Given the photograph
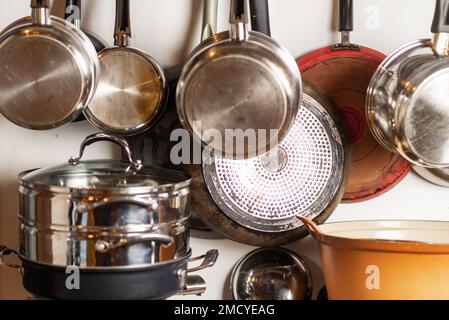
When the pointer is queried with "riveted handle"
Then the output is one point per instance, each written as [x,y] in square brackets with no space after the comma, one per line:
[260,16]
[122,23]
[441,19]
[210,14]
[239,19]
[5,251]
[346,16]
[209,260]
[105,245]
[101,137]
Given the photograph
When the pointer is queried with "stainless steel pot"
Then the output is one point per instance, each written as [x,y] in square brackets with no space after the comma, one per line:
[51,86]
[104,213]
[232,81]
[408,101]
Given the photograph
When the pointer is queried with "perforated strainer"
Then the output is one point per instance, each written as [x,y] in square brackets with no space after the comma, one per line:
[303,176]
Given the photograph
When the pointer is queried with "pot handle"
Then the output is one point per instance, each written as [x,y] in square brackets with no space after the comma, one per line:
[313,228]
[209,19]
[239,20]
[122,32]
[345,26]
[260,16]
[209,260]
[195,286]
[38,4]
[100,137]
[440,28]
[104,246]
[4,251]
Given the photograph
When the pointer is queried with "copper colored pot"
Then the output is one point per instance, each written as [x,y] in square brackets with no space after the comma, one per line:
[384,260]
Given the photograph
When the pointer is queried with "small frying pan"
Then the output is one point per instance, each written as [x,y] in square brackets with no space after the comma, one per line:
[343,71]
[133,89]
[72,14]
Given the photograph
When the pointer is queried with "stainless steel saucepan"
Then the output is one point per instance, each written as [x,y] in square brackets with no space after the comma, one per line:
[49,70]
[133,89]
[408,97]
[239,80]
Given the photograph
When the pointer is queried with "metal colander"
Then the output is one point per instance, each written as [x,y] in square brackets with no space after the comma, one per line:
[301,177]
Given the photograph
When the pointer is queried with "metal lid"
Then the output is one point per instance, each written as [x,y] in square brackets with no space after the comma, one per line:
[106,175]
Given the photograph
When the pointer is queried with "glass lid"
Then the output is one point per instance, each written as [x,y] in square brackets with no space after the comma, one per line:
[105,174]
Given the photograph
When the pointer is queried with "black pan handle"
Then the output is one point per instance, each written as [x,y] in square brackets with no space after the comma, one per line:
[260,16]
[122,23]
[441,19]
[346,16]
[239,19]
[40,4]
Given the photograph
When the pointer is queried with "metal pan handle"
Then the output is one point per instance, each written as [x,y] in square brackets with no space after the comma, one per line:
[122,32]
[100,137]
[440,28]
[4,251]
[345,26]
[40,12]
[260,16]
[195,286]
[106,245]
[239,20]
[72,12]
[209,260]
[209,19]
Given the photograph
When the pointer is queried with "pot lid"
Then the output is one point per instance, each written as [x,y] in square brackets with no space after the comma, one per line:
[106,174]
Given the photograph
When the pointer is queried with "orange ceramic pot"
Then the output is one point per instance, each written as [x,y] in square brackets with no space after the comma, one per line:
[384,260]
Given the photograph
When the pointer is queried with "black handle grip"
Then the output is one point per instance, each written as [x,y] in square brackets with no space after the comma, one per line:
[239,9]
[72,7]
[5,251]
[260,16]
[122,20]
[40,4]
[346,16]
[441,19]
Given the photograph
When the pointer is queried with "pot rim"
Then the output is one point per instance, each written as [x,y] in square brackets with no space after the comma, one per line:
[383,245]
[166,190]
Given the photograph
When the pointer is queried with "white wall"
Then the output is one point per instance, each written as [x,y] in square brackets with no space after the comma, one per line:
[169,29]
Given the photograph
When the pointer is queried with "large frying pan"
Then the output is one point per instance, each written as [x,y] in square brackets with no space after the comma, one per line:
[343,71]
[256,201]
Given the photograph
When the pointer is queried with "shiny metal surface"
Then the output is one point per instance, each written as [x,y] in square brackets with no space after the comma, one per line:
[408,105]
[303,177]
[271,274]
[103,213]
[133,89]
[49,74]
[436,176]
[234,83]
